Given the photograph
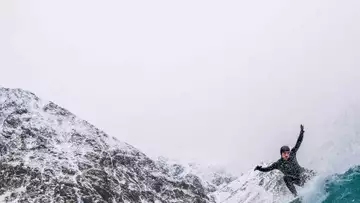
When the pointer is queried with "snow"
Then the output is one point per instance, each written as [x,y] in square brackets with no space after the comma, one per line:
[8,193]
[207,174]
[46,139]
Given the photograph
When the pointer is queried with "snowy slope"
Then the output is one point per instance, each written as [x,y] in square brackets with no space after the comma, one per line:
[254,187]
[50,155]
[208,178]
[223,187]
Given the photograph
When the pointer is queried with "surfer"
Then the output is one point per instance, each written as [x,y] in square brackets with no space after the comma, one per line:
[289,166]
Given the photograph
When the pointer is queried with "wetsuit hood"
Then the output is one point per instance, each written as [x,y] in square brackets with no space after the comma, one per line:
[284,149]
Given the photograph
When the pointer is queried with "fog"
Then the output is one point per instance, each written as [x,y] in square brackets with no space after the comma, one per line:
[215,82]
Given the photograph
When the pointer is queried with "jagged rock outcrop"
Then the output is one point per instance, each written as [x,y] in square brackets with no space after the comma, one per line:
[207,179]
[50,155]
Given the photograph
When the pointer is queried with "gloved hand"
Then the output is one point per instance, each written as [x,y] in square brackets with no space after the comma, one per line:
[257,168]
[302,129]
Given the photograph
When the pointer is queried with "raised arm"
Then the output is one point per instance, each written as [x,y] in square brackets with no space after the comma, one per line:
[299,140]
[267,169]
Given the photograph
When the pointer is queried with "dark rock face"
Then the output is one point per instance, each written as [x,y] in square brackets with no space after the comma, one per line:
[50,155]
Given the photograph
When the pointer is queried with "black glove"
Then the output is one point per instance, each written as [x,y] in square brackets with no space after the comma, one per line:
[302,129]
[257,168]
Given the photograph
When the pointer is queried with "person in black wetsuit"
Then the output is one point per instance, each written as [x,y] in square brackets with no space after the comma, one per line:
[289,166]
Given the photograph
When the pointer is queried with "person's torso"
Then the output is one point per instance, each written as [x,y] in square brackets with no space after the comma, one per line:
[290,167]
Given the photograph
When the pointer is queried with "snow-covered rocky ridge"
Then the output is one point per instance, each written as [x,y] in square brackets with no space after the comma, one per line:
[222,187]
[256,187]
[208,179]
[50,155]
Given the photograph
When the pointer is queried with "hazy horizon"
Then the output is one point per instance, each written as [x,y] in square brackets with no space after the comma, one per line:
[224,83]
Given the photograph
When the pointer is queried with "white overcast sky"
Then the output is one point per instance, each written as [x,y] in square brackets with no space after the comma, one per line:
[217,82]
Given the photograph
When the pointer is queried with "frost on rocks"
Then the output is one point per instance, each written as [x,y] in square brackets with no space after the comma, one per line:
[207,179]
[50,155]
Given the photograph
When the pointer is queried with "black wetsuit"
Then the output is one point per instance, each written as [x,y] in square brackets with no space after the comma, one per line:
[294,173]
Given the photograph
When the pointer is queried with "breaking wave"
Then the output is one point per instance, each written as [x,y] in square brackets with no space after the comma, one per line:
[343,187]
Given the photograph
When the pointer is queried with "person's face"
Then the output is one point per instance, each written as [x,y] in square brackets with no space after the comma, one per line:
[285,155]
